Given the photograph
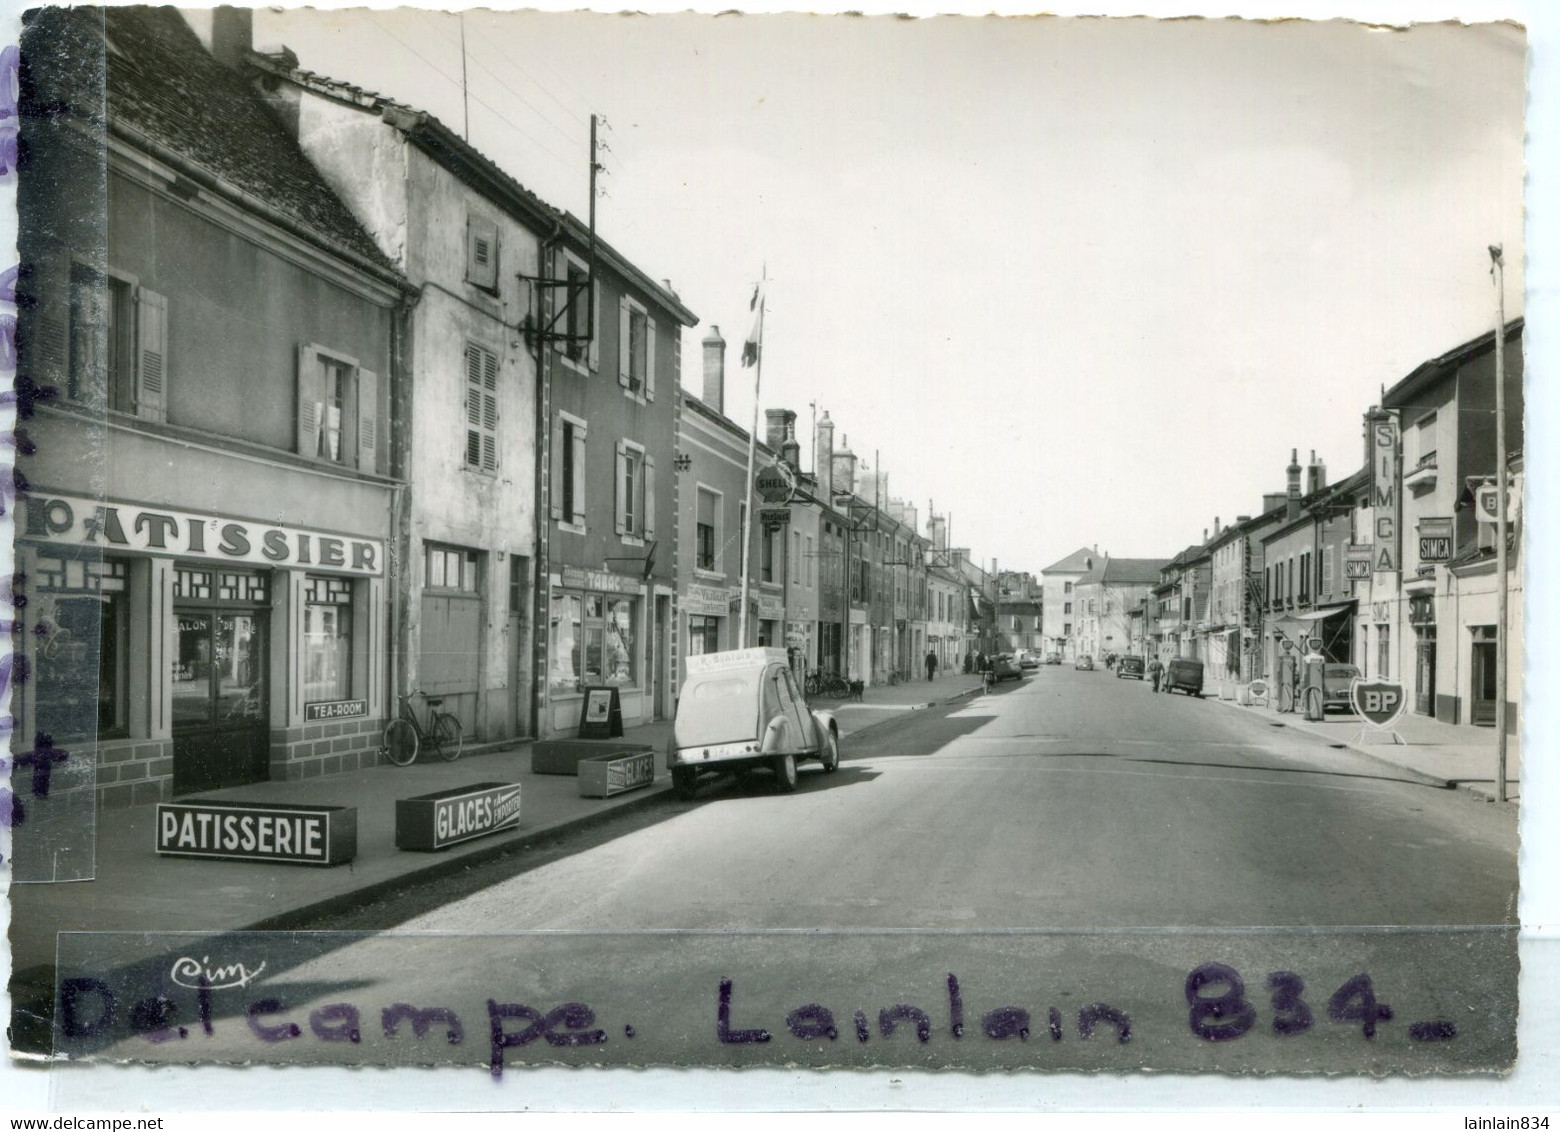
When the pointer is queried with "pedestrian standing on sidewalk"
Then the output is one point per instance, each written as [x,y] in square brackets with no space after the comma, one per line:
[931,664]
[1155,670]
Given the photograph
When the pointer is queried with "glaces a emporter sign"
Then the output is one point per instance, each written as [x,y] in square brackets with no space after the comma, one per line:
[154,530]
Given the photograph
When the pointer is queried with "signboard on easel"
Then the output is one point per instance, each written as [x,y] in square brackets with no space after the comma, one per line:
[601,714]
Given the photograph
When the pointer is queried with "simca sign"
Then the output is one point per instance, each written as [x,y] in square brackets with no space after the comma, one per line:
[448,817]
[154,530]
[250,831]
[1435,540]
[1385,490]
[1377,702]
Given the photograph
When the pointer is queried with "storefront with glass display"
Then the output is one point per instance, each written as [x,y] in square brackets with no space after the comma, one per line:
[195,651]
[595,629]
[706,610]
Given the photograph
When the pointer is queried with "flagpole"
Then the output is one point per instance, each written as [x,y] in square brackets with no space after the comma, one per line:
[1498,269]
[747,527]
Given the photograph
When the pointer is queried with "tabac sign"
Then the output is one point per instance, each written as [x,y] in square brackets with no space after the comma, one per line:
[111,525]
[1386,492]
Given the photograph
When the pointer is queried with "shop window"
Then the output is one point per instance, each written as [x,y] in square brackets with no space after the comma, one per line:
[327,639]
[481,408]
[81,624]
[117,343]
[482,253]
[191,584]
[619,656]
[338,409]
[703,635]
[449,568]
[636,349]
[565,625]
[635,517]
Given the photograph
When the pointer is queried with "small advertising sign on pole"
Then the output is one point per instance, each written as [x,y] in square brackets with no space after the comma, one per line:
[1378,703]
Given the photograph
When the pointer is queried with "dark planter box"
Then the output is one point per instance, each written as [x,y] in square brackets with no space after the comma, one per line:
[606,775]
[274,832]
[448,817]
[563,756]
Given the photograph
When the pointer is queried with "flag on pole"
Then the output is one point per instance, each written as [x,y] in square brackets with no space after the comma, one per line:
[755,338]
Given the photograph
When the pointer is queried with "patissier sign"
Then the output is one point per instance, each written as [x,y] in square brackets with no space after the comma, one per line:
[156,530]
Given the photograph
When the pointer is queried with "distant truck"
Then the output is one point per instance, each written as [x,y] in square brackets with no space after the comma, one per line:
[1183,675]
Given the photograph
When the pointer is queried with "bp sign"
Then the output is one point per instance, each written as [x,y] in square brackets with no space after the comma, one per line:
[775,483]
[1377,702]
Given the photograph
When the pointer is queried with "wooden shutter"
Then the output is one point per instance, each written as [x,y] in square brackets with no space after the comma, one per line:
[625,352]
[620,517]
[648,511]
[310,396]
[151,355]
[579,475]
[368,421]
[47,357]
[649,358]
[489,411]
[482,252]
[555,471]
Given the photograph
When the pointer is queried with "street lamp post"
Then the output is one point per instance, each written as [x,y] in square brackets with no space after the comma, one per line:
[1498,270]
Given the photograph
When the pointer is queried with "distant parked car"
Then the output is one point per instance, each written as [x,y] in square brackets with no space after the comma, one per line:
[1337,679]
[1004,666]
[1130,666]
[1084,663]
[1185,676]
[1053,658]
[1028,659]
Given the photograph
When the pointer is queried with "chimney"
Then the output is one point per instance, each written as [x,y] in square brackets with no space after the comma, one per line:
[1316,475]
[911,516]
[232,34]
[774,427]
[1293,497]
[937,530]
[1216,527]
[823,457]
[791,452]
[844,473]
[715,370]
[1242,519]
[1273,500]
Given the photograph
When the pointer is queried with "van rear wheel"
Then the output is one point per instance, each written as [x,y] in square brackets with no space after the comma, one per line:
[685,782]
[785,773]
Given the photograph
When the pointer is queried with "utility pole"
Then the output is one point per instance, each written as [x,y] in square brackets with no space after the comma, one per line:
[1498,270]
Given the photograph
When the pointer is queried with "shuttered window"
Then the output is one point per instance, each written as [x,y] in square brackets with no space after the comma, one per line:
[636,349]
[481,408]
[338,410]
[482,253]
[635,510]
[112,342]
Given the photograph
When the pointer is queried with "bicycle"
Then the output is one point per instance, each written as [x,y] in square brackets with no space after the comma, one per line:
[830,684]
[405,736]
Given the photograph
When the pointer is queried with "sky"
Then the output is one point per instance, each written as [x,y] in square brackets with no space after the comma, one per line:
[1074,281]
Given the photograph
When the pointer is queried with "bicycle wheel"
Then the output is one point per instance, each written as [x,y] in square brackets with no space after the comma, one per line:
[447,739]
[838,687]
[814,685]
[400,742]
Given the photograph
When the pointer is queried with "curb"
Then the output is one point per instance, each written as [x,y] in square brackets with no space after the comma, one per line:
[297,917]
[1418,776]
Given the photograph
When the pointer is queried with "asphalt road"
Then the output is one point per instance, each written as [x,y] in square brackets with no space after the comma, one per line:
[1074,868]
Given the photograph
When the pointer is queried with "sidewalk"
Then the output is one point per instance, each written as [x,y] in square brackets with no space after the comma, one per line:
[136,890]
[1448,755]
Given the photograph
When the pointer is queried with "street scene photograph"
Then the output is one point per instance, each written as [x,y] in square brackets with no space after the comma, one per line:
[767,541]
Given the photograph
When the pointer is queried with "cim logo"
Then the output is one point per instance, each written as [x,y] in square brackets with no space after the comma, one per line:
[1377,701]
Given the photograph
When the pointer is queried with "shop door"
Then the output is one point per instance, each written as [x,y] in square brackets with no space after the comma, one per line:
[221,706]
[1483,684]
[449,661]
[1424,683]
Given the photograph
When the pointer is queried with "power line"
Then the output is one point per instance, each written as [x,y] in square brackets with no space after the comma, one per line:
[567,162]
[567,136]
